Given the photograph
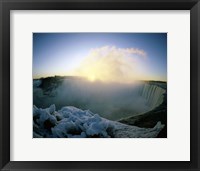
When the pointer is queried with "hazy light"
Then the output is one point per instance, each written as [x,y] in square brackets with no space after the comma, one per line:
[111,64]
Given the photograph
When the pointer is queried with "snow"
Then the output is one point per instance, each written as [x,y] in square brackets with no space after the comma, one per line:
[71,122]
[122,131]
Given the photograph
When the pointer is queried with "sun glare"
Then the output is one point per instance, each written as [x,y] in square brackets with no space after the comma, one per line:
[91,77]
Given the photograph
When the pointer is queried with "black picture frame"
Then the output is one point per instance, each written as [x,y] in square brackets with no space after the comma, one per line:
[7,5]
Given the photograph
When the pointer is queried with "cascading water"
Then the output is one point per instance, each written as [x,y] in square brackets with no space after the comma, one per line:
[153,95]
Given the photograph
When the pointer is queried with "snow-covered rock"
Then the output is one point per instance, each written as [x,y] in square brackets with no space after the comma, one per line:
[71,122]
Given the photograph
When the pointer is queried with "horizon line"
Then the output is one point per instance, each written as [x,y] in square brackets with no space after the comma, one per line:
[42,77]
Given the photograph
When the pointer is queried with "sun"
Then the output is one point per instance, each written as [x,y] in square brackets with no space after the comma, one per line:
[91,77]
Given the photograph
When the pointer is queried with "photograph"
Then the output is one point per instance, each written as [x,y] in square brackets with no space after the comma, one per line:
[99,85]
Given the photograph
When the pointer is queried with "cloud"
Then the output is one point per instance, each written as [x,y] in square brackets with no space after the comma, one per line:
[133,51]
[112,64]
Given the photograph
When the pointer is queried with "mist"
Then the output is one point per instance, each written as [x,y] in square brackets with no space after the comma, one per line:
[110,100]
[112,64]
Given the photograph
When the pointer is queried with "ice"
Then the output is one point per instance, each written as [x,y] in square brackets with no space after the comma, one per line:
[71,122]
[124,131]
[43,117]
[52,109]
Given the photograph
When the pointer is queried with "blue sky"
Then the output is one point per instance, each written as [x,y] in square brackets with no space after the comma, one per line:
[65,53]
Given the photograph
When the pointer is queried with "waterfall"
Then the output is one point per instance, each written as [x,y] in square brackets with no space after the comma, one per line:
[153,95]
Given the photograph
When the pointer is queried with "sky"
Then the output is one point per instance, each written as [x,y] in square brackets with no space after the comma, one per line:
[101,56]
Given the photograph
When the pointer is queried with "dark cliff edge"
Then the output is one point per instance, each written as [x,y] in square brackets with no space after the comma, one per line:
[149,119]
